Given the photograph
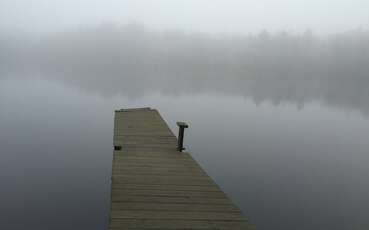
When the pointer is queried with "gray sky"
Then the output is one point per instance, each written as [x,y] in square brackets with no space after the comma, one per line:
[224,16]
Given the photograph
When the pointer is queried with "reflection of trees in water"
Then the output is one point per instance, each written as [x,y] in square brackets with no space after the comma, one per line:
[132,60]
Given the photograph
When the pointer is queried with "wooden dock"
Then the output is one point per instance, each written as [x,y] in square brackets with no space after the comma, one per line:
[154,186]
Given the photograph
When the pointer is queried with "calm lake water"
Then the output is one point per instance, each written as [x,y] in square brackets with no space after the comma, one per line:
[287,166]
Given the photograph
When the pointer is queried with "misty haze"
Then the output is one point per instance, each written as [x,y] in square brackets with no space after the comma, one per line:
[279,117]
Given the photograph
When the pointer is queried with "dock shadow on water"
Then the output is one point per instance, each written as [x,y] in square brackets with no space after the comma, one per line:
[284,133]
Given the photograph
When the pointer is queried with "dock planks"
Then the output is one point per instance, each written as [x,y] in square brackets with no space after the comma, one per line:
[154,186]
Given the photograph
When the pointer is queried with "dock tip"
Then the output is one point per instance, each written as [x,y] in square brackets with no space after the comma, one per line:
[133,109]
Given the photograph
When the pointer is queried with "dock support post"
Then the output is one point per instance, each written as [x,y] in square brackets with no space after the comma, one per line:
[182,126]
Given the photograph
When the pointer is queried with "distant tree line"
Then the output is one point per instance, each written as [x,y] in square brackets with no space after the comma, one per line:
[134,60]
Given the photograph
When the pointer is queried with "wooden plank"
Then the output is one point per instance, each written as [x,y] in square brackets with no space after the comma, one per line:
[165,193]
[169,180]
[149,155]
[138,171]
[165,187]
[179,224]
[166,199]
[174,207]
[154,168]
[157,161]
[156,187]
[175,215]
[145,152]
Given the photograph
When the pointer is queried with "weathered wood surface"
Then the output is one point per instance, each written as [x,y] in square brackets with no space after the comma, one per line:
[156,187]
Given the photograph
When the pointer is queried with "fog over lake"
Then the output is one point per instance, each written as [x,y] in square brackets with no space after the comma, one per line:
[134,61]
[279,120]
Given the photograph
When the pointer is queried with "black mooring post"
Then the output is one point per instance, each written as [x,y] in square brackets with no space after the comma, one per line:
[182,126]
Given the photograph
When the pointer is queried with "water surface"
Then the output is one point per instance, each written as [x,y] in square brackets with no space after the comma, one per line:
[286,166]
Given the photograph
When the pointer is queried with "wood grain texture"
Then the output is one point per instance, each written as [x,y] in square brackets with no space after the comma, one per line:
[156,187]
